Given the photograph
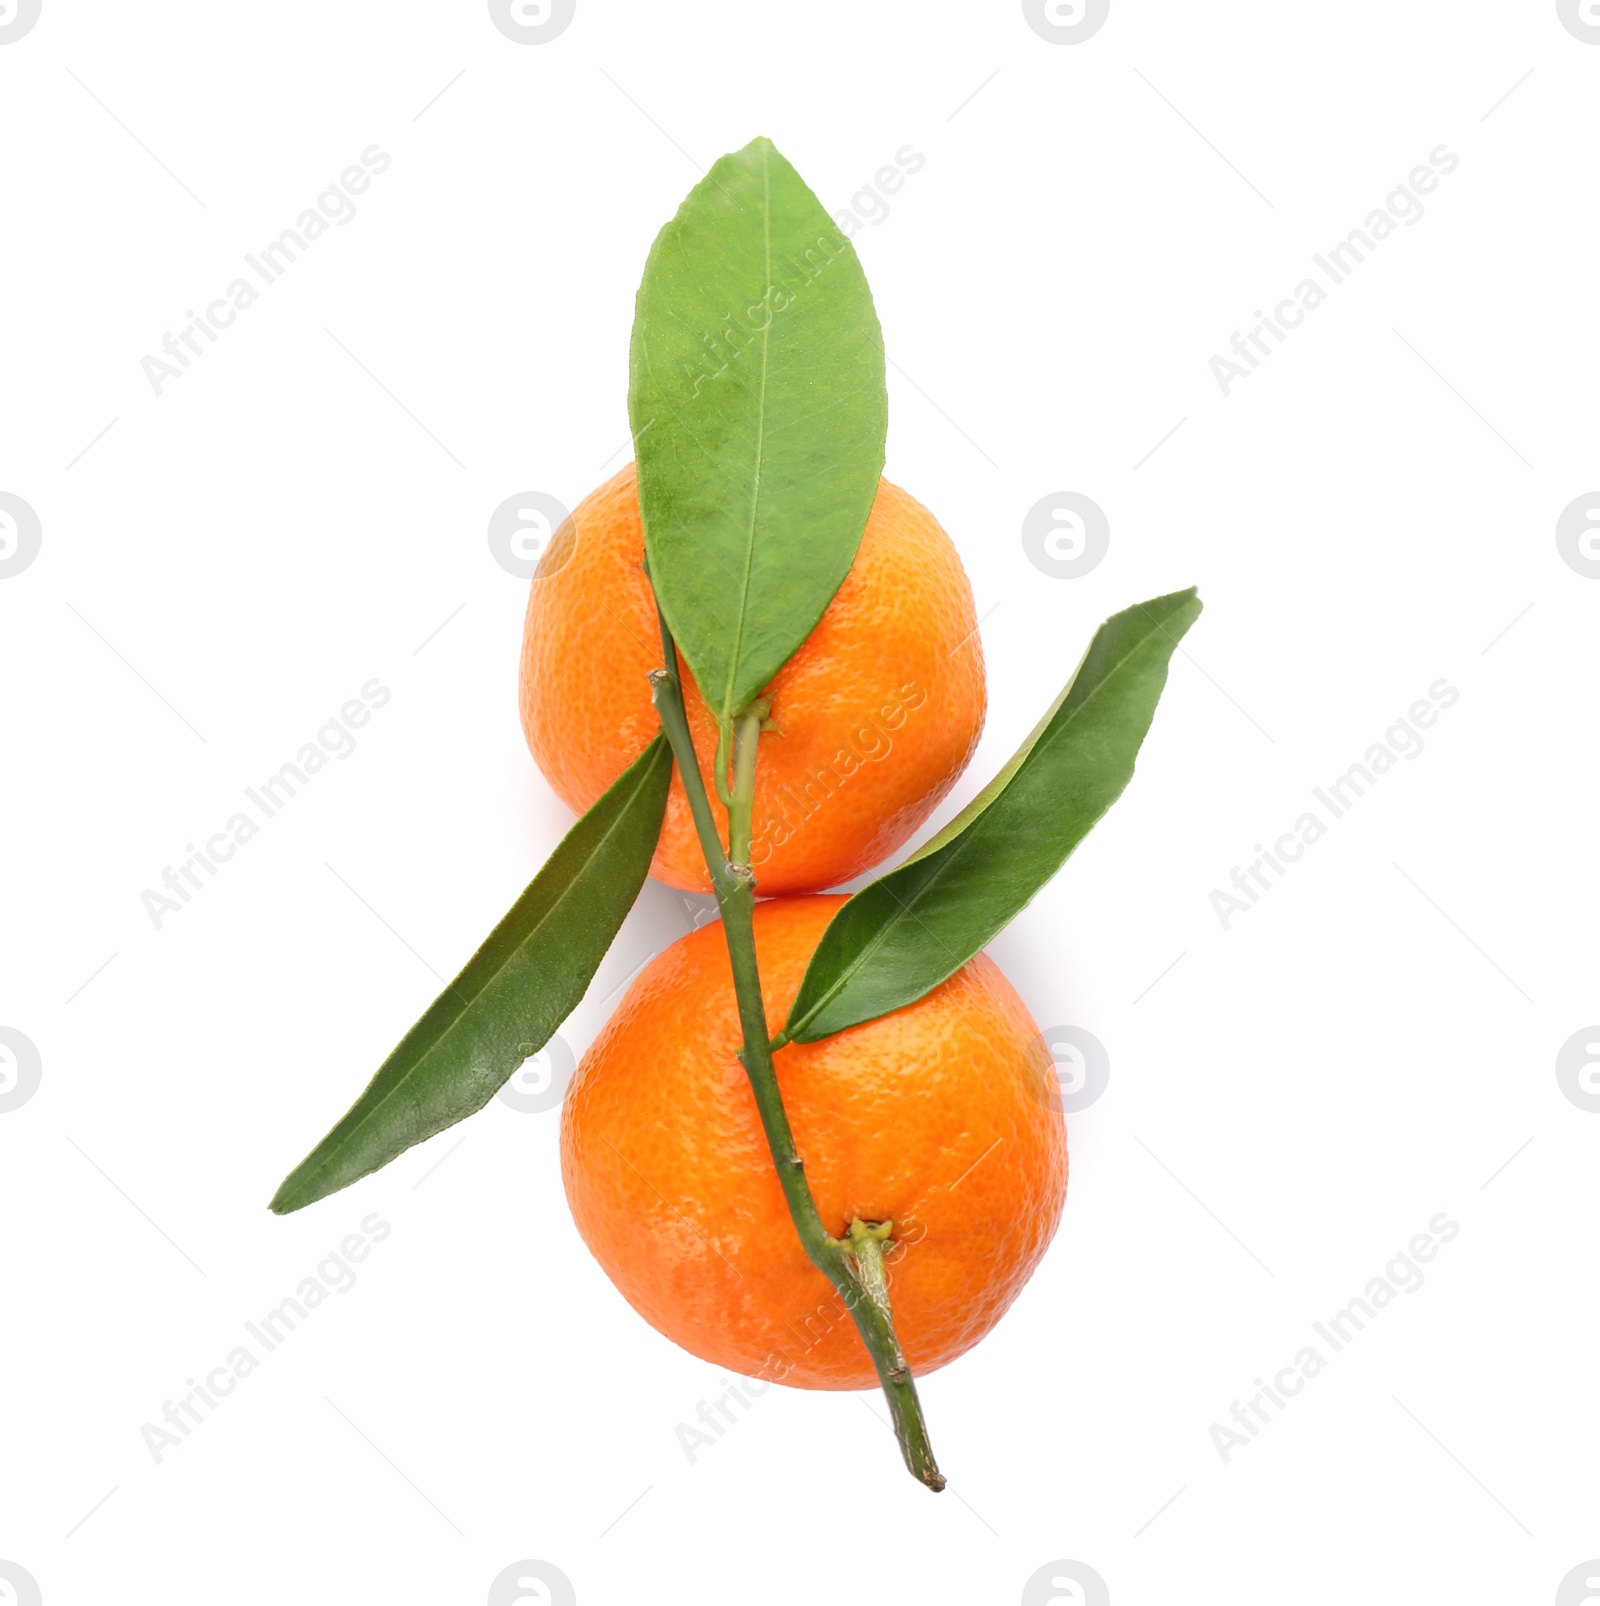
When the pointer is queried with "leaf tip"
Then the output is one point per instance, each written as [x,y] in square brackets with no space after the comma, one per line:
[305,1185]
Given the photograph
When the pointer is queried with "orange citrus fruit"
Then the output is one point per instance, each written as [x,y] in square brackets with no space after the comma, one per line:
[872,719]
[942,1118]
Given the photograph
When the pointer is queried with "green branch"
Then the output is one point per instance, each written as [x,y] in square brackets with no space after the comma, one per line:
[853,1265]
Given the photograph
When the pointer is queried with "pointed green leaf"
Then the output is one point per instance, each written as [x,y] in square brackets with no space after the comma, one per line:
[759,412]
[898,938]
[514,992]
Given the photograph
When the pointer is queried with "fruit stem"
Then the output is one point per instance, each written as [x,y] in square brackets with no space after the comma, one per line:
[853,1265]
[866,1243]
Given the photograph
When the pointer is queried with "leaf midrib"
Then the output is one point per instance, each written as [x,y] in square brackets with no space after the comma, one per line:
[727,710]
[952,851]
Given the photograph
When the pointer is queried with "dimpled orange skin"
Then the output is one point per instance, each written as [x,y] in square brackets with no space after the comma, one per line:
[872,720]
[938,1118]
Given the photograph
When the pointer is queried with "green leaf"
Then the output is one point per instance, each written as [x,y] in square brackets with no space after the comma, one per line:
[759,411]
[898,938]
[514,992]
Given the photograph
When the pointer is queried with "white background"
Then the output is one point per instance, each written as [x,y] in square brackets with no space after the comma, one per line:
[306,508]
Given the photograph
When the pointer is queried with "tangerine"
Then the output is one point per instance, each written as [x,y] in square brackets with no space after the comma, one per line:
[871,720]
[941,1118]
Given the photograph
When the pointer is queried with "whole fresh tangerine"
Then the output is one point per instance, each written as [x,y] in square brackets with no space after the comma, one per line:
[871,720]
[941,1118]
